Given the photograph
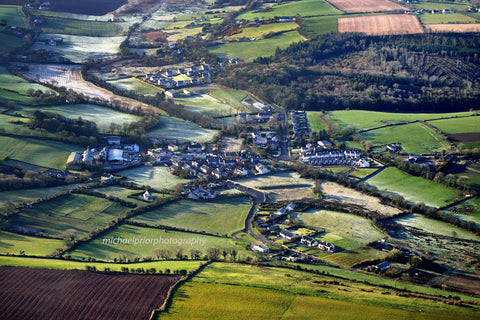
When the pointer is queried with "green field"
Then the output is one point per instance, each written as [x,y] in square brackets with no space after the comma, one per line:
[414,138]
[363,172]
[29,195]
[428,18]
[179,34]
[204,103]
[254,49]
[78,49]
[216,217]
[372,119]
[9,42]
[231,97]
[102,116]
[15,88]
[77,214]
[303,8]
[344,230]
[320,25]
[11,124]
[122,193]
[155,177]
[457,125]
[174,128]
[75,265]
[260,31]
[44,153]
[81,27]
[314,120]
[441,5]
[280,293]
[13,16]
[14,243]
[412,188]
[170,241]
[434,226]
[474,214]
[135,85]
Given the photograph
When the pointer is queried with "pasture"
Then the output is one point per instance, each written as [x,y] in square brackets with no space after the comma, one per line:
[344,230]
[260,31]
[9,42]
[282,293]
[138,86]
[468,210]
[232,97]
[314,120]
[372,119]
[43,153]
[414,138]
[13,15]
[429,18]
[81,27]
[172,241]
[331,190]
[204,103]
[291,9]
[454,27]
[414,189]
[29,195]
[277,180]
[174,128]
[435,226]
[16,89]
[351,258]
[219,217]
[380,24]
[122,193]
[179,34]
[75,214]
[155,177]
[17,125]
[458,125]
[363,172]
[77,265]
[320,25]
[261,48]
[355,6]
[14,243]
[78,49]
[453,6]
[102,116]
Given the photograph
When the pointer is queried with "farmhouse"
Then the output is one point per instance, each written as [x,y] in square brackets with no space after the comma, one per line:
[147,196]
[74,161]
[308,241]
[327,246]
[287,235]
[260,248]
[383,266]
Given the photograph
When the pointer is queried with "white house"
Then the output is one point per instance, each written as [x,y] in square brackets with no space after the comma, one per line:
[260,248]
[147,196]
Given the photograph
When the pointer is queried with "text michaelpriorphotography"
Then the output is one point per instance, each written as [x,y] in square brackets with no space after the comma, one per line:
[154,241]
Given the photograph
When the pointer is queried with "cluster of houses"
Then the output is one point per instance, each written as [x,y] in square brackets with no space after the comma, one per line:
[199,193]
[200,164]
[300,124]
[321,156]
[264,140]
[422,11]
[109,157]
[261,117]
[307,241]
[181,77]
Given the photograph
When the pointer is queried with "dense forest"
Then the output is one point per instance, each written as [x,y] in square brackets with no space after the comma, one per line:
[407,73]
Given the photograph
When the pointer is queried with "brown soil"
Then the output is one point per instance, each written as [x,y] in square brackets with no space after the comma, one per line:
[381,24]
[28,293]
[352,6]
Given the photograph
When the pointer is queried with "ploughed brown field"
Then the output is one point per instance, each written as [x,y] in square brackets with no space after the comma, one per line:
[354,6]
[92,7]
[466,137]
[27,293]
[381,24]
[155,36]
[454,27]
